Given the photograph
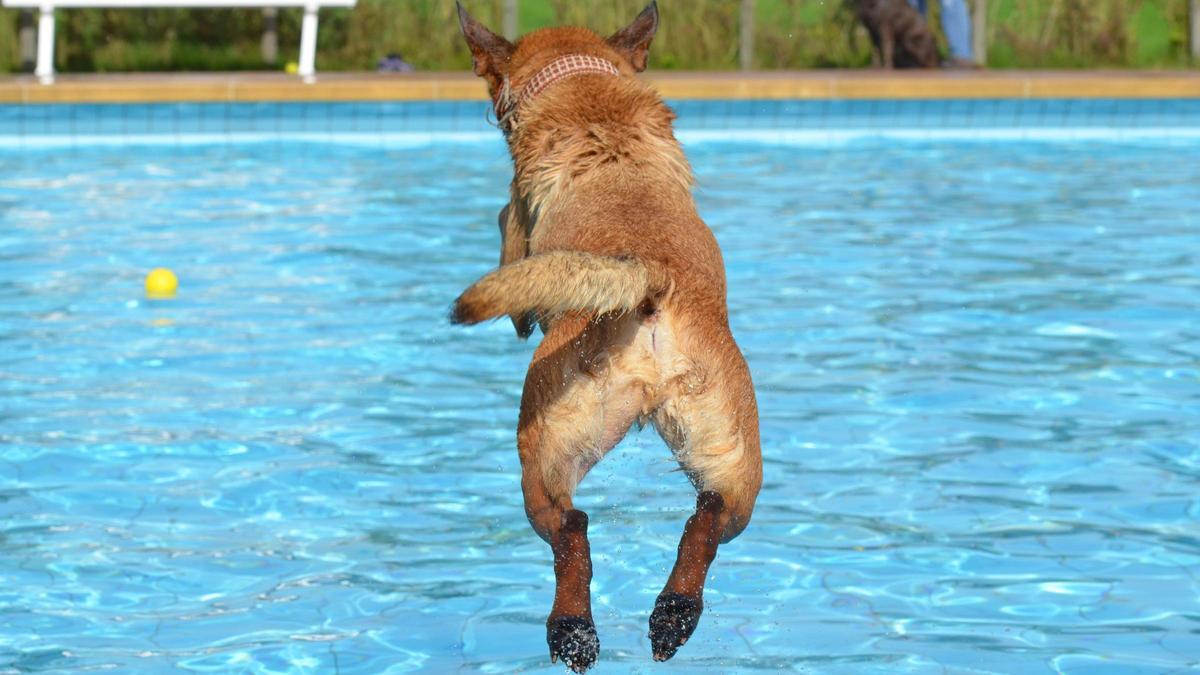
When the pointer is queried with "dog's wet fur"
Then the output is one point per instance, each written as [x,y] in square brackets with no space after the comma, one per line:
[900,38]
[601,246]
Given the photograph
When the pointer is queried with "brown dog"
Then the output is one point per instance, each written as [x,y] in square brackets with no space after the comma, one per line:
[603,247]
[899,35]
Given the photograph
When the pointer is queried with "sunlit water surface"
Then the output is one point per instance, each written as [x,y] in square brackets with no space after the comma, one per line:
[978,367]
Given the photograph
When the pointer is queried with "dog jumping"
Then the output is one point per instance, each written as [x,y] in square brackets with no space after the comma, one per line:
[602,247]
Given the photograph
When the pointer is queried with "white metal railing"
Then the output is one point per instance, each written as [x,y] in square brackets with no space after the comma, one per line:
[45,37]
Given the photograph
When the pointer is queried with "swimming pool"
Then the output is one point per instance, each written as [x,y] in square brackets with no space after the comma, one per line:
[978,368]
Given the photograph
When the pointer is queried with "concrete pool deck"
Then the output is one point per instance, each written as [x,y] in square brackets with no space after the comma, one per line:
[824,84]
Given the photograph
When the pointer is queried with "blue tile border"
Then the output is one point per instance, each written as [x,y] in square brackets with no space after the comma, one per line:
[83,124]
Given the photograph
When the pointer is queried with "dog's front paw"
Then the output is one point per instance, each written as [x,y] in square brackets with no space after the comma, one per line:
[671,624]
[573,639]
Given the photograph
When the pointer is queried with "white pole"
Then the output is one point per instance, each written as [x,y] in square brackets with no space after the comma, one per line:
[308,43]
[510,19]
[746,44]
[45,48]
[270,37]
[1195,31]
[979,38]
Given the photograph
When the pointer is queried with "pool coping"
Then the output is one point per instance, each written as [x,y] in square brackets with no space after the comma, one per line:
[812,85]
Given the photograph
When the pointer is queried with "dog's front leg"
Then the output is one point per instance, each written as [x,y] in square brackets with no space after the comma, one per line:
[678,608]
[887,45]
[514,245]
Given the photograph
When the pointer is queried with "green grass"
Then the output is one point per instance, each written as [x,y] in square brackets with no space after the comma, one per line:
[694,34]
[1088,33]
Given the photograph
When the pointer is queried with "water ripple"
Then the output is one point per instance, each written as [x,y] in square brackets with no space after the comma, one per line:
[978,368]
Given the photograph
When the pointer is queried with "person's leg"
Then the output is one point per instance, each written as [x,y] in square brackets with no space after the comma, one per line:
[920,6]
[956,24]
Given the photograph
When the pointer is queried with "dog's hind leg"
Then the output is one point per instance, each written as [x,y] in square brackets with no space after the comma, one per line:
[548,480]
[550,471]
[567,424]
[712,426]
[876,47]
[677,609]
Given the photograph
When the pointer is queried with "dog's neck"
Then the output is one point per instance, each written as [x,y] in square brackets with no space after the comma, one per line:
[617,129]
[507,103]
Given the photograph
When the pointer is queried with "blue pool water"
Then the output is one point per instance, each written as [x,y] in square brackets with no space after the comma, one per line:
[978,366]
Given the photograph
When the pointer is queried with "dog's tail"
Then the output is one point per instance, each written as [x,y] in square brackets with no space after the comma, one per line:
[553,283]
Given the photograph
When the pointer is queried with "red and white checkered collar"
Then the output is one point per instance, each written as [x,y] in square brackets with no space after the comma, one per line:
[506,102]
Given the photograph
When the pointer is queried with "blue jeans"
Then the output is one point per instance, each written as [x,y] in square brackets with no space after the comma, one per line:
[956,24]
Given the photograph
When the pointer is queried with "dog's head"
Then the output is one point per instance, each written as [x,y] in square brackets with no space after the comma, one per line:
[497,60]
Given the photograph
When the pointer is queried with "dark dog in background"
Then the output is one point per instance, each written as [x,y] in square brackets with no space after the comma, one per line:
[899,35]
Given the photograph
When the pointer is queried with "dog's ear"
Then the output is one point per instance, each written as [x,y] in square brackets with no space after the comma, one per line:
[489,52]
[633,41]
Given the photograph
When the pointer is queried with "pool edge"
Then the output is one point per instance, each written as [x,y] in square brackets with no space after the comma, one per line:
[811,85]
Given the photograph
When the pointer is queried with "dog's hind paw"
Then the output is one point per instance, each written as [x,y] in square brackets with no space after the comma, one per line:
[573,639]
[671,624]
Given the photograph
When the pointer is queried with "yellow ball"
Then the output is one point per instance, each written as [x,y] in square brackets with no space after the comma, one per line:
[291,68]
[161,283]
